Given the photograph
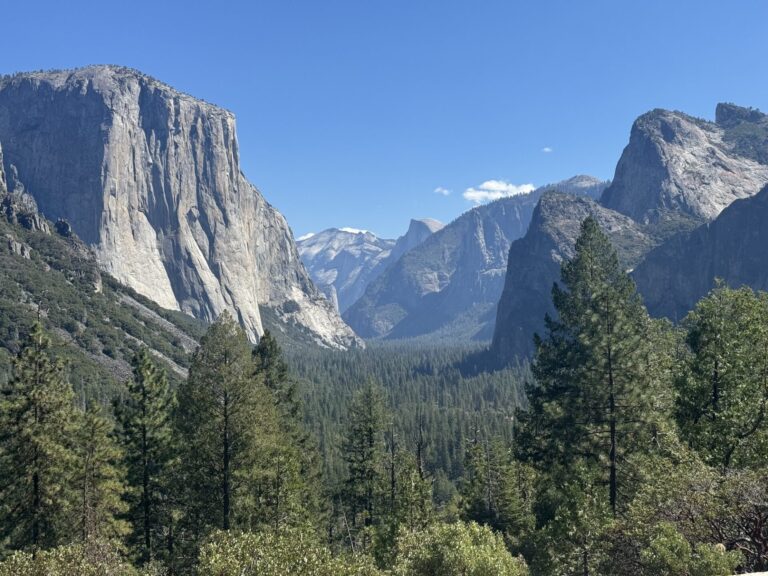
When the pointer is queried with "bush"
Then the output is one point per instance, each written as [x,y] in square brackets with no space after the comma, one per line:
[670,554]
[460,549]
[94,559]
[290,552]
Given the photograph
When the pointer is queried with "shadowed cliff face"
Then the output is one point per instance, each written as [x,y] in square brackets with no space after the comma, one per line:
[535,260]
[674,276]
[151,179]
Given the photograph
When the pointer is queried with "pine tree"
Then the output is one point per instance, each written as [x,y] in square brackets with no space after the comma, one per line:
[363,453]
[593,389]
[146,433]
[297,475]
[228,433]
[99,480]
[496,490]
[37,458]
[722,388]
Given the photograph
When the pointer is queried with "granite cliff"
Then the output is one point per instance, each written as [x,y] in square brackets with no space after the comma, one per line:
[676,175]
[674,276]
[150,178]
[682,171]
[535,260]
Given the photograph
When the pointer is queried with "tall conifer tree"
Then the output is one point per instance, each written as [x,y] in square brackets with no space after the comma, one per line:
[722,400]
[37,457]
[99,480]
[296,464]
[228,430]
[364,455]
[146,432]
[593,391]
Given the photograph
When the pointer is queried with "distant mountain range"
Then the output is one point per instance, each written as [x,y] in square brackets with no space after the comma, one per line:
[343,261]
[447,287]
[149,179]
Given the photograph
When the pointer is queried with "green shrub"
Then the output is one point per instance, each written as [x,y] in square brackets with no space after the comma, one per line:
[291,552]
[460,549]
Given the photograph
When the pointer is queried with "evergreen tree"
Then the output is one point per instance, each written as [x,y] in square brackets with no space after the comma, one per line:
[297,475]
[228,433]
[497,490]
[404,498]
[723,387]
[272,368]
[364,453]
[98,480]
[592,398]
[146,432]
[37,458]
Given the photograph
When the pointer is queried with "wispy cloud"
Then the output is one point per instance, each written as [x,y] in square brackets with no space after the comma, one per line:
[442,191]
[547,150]
[494,189]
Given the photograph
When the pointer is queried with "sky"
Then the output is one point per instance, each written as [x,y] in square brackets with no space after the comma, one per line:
[367,113]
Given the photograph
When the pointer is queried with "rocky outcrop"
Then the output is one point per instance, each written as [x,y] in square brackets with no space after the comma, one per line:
[151,179]
[448,287]
[678,171]
[674,276]
[18,248]
[418,231]
[535,260]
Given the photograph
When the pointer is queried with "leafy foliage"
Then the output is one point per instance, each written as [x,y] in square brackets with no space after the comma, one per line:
[723,386]
[455,549]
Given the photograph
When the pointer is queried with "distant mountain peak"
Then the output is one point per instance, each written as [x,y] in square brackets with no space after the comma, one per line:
[582,181]
[432,224]
[343,261]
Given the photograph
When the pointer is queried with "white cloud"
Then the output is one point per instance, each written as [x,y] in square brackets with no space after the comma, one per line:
[306,236]
[442,191]
[494,189]
[547,150]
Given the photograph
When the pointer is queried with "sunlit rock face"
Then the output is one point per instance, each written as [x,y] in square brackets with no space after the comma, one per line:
[151,179]
[678,167]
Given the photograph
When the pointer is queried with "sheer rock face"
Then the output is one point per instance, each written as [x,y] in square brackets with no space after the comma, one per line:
[535,260]
[448,287]
[674,276]
[151,179]
[678,167]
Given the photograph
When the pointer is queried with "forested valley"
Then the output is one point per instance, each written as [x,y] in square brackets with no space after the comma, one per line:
[628,446]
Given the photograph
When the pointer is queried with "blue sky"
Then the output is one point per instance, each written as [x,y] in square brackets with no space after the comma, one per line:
[353,112]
